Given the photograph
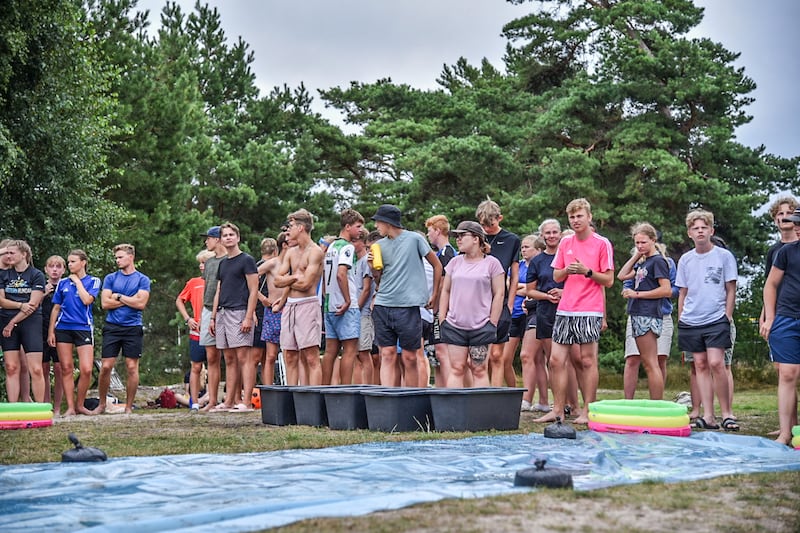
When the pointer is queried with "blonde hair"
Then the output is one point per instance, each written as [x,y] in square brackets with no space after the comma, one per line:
[699,214]
[577,204]
[55,260]
[23,247]
[645,229]
[125,247]
[487,212]
[268,246]
[204,255]
[776,205]
[303,218]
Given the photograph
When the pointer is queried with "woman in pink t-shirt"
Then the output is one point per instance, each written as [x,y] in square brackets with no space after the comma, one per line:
[471,302]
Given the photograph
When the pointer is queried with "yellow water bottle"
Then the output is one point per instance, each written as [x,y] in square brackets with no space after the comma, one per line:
[377,258]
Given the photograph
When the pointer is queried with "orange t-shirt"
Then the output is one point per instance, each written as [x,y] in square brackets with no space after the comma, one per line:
[193,293]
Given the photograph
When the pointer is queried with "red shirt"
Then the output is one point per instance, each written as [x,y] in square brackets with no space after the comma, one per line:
[193,293]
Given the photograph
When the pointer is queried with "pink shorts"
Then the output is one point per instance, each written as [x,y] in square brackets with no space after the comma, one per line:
[229,329]
[301,323]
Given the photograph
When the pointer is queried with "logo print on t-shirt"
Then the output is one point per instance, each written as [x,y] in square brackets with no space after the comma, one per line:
[713,275]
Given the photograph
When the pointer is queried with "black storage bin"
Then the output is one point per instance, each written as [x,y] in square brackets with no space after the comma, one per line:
[399,409]
[477,409]
[346,407]
[277,405]
[309,406]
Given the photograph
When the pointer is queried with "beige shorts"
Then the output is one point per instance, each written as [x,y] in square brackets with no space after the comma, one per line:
[367,337]
[206,338]
[228,327]
[664,340]
[301,323]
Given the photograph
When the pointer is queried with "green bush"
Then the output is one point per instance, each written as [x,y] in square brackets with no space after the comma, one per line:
[613,361]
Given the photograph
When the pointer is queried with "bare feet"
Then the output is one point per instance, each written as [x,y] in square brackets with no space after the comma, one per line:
[582,420]
[99,410]
[548,417]
[70,412]
[774,433]
[784,440]
[85,411]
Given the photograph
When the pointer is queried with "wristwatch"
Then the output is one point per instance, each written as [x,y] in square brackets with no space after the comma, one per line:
[589,273]
[119,296]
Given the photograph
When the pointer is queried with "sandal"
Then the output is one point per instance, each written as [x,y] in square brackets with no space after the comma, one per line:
[700,423]
[240,408]
[729,424]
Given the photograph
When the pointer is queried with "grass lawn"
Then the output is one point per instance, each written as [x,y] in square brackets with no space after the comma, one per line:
[758,502]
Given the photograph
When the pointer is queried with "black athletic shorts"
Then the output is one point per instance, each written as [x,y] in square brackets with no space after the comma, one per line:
[127,340]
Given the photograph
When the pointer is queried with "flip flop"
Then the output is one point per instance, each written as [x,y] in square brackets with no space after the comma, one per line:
[701,423]
[220,408]
[729,424]
[240,408]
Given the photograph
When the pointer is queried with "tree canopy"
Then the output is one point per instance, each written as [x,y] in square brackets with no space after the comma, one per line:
[111,131]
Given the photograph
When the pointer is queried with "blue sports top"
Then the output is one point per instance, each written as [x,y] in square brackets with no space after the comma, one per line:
[127,285]
[74,314]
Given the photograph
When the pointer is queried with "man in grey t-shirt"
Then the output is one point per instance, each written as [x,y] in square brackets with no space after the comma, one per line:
[402,290]
[207,339]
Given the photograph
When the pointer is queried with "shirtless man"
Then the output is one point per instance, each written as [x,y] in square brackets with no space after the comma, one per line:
[273,307]
[301,322]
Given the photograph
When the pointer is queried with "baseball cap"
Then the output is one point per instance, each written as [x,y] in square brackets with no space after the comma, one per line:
[469,226]
[213,231]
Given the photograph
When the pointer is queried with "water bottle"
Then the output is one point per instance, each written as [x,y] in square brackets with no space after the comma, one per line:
[377,257]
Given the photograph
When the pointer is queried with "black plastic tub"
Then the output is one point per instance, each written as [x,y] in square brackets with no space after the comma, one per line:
[477,409]
[399,409]
[277,405]
[309,406]
[346,406]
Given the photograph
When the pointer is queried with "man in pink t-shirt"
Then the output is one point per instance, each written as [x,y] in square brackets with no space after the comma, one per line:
[585,263]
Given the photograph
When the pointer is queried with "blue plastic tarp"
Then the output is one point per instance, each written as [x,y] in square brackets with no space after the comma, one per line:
[245,492]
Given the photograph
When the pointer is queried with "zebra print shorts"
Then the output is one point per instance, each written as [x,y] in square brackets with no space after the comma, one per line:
[577,329]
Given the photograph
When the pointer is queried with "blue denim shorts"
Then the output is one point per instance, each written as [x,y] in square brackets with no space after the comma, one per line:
[343,327]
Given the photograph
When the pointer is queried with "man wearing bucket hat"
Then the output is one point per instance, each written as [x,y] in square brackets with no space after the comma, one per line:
[402,290]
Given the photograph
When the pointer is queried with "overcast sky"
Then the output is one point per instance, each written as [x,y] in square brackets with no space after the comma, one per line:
[328,43]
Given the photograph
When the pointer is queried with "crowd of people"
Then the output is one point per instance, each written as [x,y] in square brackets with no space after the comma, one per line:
[390,305]
[45,318]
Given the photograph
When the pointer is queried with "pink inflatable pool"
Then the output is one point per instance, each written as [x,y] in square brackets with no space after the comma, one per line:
[684,431]
[25,424]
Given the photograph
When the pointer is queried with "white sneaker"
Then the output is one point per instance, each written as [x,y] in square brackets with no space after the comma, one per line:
[195,407]
[526,406]
[542,408]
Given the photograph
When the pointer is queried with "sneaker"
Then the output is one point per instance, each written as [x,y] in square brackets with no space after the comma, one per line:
[542,408]
[526,406]
[683,398]
[195,407]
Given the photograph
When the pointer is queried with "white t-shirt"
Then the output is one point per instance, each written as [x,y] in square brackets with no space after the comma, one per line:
[340,253]
[704,277]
